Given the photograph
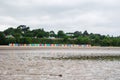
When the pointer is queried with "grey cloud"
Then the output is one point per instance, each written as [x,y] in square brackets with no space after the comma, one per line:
[100,16]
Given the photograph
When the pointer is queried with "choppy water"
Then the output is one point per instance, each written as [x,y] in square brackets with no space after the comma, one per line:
[29,65]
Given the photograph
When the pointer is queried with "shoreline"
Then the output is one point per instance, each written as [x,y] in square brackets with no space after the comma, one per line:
[5,47]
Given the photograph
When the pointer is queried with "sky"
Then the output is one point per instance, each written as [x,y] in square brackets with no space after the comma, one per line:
[95,16]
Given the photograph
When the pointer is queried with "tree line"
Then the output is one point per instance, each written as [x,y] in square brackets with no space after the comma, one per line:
[23,35]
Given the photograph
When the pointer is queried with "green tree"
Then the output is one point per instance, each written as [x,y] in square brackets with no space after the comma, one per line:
[46,34]
[40,34]
[61,34]
[83,40]
[77,34]
[66,39]
[52,34]
[106,42]
[9,31]
[23,28]
[29,34]
[2,38]
[85,33]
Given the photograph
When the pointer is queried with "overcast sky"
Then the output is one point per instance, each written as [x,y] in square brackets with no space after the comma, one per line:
[96,16]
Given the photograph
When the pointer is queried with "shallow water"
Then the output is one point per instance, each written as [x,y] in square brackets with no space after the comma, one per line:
[29,65]
[67,51]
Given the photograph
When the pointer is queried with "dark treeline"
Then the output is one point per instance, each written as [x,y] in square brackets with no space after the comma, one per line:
[22,34]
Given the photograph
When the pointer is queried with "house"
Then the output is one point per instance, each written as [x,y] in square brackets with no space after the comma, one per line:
[70,34]
[51,38]
[9,36]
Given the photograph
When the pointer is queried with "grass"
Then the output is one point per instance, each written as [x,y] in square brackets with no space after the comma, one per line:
[109,58]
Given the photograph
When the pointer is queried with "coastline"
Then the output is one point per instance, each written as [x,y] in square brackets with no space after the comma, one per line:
[6,47]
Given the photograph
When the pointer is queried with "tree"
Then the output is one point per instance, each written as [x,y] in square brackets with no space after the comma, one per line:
[52,34]
[77,34]
[46,34]
[2,38]
[66,39]
[26,40]
[23,34]
[106,41]
[85,33]
[9,31]
[83,40]
[12,31]
[17,35]
[10,40]
[24,28]
[29,34]
[40,35]
[61,34]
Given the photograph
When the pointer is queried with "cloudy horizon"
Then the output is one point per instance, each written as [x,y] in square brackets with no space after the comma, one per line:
[95,16]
